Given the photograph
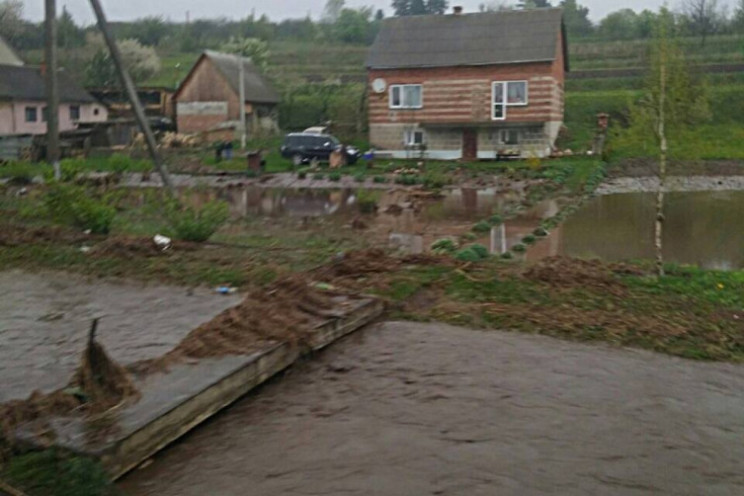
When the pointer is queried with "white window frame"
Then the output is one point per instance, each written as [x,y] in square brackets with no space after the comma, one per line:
[505,95]
[409,137]
[401,89]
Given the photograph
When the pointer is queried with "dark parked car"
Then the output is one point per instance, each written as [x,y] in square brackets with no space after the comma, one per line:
[304,147]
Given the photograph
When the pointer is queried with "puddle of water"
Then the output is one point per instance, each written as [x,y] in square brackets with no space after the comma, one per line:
[702,228]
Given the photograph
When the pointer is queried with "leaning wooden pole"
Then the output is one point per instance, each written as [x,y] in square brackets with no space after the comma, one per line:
[52,86]
[126,82]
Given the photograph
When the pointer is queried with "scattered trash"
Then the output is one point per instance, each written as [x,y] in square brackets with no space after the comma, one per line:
[22,192]
[324,286]
[85,249]
[162,242]
[87,231]
[225,290]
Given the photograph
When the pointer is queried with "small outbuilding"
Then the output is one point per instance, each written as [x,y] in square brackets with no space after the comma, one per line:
[208,99]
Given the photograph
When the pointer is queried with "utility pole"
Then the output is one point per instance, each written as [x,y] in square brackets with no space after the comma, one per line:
[52,89]
[128,85]
[241,85]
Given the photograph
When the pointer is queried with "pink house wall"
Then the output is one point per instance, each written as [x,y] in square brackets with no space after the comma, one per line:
[13,117]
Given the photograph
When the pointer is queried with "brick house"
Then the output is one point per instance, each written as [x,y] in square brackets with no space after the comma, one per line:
[468,86]
[23,102]
[208,98]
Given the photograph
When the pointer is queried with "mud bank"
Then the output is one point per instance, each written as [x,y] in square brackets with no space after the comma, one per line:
[404,409]
[676,184]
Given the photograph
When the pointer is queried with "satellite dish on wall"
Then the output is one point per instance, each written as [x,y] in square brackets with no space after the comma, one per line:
[379,85]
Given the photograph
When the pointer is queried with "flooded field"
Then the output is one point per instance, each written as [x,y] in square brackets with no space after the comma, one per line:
[702,228]
[413,409]
[44,322]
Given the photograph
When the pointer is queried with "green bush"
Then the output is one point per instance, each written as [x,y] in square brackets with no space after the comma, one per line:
[467,255]
[444,245]
[481,250]
[379,179]
[73,205]
[120,163]
[495,220]
[519,248]
[334,176]
[195,224]
[540,232]
[407,179]
[507,255]
[529,239]
[318,176]
[360,178]
[481,227]
[468,237]
[435,180]
[301,174]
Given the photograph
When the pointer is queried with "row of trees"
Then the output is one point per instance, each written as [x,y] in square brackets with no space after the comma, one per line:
[341,23]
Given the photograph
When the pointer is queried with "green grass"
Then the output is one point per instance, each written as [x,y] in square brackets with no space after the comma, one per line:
[54,473]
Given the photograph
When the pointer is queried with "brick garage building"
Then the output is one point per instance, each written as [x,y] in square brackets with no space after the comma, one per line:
[208,98]
[468,85]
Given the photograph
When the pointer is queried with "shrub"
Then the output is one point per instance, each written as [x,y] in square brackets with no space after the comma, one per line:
[519,248]
[481,227]
[481,250]
[195,224]
[540,232]
[301,174]
[318,175]
[334,176]
[435,180]
[529,239]
[467,255]
[73,205]
[379,179]
[444,245]
[507,255]
[120,163]
[360,178]
[468,237]
[495,220]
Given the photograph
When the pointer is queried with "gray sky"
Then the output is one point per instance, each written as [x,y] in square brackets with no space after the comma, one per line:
[175,10]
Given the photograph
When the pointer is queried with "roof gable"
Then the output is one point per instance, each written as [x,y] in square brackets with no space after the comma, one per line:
[486,38]
[257,89]
[27,83]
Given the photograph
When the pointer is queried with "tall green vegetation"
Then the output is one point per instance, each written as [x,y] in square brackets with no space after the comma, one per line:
[673,103]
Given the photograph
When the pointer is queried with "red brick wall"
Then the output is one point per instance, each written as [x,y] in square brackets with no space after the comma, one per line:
[463,94]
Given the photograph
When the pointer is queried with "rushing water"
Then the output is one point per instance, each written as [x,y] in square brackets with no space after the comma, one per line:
[702,228]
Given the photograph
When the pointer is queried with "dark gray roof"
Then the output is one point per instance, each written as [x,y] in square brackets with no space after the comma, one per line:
[27,83]
[257,89]
[468,39]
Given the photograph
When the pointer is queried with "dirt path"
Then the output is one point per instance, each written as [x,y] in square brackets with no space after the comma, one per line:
[44,320]
[415,409]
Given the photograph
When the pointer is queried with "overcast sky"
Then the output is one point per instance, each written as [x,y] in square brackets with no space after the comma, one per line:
[175,10]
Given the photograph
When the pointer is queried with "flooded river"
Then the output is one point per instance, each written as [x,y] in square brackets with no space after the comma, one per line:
[415,409]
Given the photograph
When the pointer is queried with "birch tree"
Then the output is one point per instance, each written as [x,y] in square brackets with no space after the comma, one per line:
[673,102]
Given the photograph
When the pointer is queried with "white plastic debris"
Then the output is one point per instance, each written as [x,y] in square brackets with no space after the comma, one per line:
[85,249]
[225,289]
[162,242]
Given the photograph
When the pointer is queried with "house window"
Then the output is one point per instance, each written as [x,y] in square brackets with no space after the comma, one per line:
[74,112]
[31,114]
[406,96]
[414,137]
[95,111]
[510,136]
[508,94]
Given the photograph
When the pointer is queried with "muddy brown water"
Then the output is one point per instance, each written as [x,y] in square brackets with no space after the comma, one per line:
[701,228]
[414,409]
[45,317]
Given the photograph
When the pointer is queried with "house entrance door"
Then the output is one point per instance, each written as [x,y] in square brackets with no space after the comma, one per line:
[469,144]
